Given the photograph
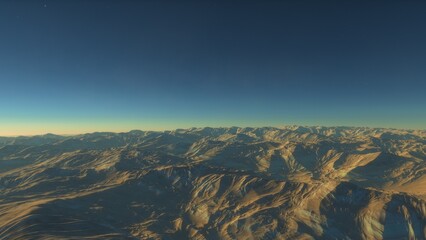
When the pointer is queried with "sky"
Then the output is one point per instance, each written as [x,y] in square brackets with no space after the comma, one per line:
[70,67]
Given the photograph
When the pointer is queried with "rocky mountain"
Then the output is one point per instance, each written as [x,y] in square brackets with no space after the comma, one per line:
[216,183]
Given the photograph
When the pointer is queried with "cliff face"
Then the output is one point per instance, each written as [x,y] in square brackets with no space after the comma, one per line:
[216,183]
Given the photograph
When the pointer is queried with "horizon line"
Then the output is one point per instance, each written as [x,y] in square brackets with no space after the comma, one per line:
[188,128]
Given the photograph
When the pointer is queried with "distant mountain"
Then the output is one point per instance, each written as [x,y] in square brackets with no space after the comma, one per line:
[216,183]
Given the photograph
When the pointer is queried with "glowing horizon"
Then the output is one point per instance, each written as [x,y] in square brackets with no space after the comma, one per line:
[24,128]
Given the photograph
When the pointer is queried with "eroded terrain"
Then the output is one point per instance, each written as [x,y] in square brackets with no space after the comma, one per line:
[216,183]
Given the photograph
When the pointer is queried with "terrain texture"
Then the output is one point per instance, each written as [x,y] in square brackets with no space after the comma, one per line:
[216,183]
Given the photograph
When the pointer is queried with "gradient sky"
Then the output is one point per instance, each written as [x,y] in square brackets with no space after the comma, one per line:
[83,66]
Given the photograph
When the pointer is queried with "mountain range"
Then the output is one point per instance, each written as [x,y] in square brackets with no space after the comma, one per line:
[292,182]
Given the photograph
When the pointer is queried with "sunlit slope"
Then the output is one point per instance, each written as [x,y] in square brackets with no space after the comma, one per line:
[216,183]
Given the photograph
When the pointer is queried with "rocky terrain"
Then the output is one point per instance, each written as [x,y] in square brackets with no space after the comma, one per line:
[216,183]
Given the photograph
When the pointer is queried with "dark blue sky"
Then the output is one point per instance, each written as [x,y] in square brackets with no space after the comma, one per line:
[78,65]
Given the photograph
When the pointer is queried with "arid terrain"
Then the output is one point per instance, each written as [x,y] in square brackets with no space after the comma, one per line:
[216,183]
